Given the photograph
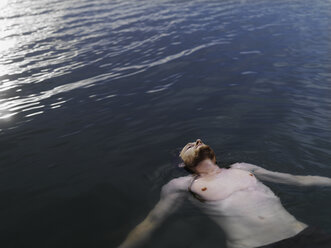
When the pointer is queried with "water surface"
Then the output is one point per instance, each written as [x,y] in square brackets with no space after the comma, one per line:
[97,98]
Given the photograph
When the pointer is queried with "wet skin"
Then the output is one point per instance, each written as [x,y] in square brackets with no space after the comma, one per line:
[249,213]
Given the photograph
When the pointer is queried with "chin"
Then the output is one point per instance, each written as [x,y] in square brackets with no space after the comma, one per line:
[204,152]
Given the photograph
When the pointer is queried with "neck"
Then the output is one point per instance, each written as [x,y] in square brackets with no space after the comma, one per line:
[207,168]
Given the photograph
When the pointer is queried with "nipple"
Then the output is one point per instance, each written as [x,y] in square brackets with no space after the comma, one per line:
[204,189]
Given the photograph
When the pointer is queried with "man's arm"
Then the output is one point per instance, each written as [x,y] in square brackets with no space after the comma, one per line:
[284,178]
[171,198]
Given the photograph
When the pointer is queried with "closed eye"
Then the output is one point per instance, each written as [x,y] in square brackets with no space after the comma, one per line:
[189,146]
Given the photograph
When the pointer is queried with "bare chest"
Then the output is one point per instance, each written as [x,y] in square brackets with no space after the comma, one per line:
[223,185]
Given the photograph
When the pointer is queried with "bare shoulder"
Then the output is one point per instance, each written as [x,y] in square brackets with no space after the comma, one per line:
[177,185]
[245,166]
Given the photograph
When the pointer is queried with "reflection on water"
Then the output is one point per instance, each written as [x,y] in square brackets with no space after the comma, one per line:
[95,98]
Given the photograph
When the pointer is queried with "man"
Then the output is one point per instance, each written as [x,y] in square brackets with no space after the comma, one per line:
[249,213]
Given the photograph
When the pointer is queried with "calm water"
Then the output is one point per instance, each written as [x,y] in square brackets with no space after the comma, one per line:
[97,97]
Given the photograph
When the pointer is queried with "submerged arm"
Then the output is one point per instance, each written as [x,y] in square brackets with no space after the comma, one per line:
[169,202]
[284,178]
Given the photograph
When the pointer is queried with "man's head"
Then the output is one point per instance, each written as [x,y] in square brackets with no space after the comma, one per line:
[195,152]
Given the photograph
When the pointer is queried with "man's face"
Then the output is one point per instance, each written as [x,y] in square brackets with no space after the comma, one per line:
[190,149]
[195,152]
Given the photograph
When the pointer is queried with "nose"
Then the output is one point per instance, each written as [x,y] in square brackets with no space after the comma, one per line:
[198,142]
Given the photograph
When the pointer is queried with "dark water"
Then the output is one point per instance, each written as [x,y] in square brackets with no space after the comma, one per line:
[98,96]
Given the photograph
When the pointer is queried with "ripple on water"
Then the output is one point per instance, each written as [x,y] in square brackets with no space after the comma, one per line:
[105,90]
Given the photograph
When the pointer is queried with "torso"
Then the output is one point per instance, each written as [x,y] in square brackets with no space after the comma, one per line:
[250,214]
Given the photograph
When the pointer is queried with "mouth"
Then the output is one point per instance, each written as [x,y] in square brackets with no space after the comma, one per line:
[198,145]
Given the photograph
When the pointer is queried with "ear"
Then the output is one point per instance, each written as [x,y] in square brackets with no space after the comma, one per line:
[181,165]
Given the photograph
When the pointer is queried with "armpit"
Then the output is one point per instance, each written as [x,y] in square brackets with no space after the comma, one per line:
[177,185]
